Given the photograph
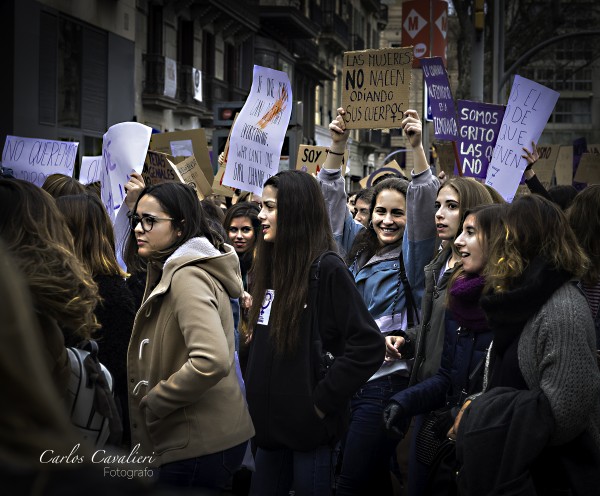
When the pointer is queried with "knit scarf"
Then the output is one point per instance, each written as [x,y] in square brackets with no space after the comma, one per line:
[464,302]
[508,312]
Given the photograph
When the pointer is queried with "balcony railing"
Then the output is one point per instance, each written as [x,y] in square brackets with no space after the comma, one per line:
[335,30]
[154,82]
[357,42]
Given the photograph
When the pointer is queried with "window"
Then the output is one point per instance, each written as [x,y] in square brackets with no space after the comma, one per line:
[572,111]
[155,29]
[69,73]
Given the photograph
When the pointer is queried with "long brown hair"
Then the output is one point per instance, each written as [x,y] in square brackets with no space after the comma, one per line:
[533,227]
[39,241]
[92,232]
[303,232]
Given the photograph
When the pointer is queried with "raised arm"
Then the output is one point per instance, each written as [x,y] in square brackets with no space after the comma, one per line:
[531,180]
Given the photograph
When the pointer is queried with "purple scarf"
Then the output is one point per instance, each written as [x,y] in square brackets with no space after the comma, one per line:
[464,303]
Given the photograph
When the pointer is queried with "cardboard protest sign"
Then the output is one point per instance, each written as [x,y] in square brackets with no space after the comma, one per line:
[446,159]
[529,107]
[158,169]
[389,168]
[33,160]
[185,144]
[479,124]
[579,148]
[588,171]
[445,126]
[544,167]
[376,87]
[593,149]
[564,166]
[90,169]
[218,187]
[311,158]
[258,132]
[124,148]
[190,173]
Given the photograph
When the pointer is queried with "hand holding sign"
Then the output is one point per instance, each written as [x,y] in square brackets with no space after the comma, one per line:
[133,188]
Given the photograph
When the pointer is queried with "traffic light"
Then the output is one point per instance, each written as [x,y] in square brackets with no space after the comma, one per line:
[224,112]
[479,14]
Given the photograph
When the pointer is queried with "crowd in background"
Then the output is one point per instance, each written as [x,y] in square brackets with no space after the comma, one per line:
[418,337]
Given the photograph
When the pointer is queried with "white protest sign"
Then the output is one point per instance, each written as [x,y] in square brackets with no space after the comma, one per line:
[197,81]
[258,132]
[124,148]
[90,170]
[33,160]
[170,89]
[529,107]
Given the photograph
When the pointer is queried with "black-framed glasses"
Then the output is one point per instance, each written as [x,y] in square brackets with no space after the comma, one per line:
[147,221]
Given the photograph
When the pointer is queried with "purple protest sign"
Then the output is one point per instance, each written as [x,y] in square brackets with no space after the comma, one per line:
[479,124]
[440,98]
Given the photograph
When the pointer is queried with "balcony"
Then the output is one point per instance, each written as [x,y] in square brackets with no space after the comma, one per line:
[383,17]
[306,53]
[185,94]
[285,18]
[335,32]
[371,5]
[154,83]
[236,19]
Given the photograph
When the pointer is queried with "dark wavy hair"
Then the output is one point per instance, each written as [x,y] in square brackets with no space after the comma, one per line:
[39,241]
[303,232]
[180,202]
[92,232]
[366,243]
[243,209]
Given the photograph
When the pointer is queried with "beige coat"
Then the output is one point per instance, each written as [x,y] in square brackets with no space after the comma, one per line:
[184,396]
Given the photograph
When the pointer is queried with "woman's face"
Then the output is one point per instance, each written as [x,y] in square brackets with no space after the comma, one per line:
[162,234]
[471,247]
[241,234]
[389,216]
[268,214]
[447,215]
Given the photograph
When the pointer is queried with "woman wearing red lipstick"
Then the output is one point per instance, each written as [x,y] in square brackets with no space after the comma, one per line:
[185,401]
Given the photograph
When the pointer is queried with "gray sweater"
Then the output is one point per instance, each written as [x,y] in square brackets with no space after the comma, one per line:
[556,354]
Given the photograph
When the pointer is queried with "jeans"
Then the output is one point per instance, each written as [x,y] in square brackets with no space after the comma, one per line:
[368,449]
[307,473]
[212,471]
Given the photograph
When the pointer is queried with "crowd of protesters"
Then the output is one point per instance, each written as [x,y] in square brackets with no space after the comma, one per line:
[418,337]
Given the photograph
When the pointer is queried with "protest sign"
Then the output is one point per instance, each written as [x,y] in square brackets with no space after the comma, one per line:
[440,98]
[311,158]
[389,168]
[376,87]
[258,132]
[479,124]
[190,173]
[33,160]
[564,166]
[90,169]
[593,149]
[529,107]
[579,148]
[185,144]
[588,171]
[158,169]
[218,187]
[446,159]
[124,148]
[544,167]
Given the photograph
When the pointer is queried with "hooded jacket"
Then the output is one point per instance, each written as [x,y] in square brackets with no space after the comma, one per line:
[184,396]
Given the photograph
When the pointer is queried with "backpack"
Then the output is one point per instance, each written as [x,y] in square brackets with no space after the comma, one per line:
[90,401]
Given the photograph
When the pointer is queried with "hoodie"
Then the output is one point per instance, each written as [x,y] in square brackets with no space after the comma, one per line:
[184,397]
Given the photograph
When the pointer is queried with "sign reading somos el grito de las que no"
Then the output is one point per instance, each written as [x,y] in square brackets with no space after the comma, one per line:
[376,87]
[479,124]
[33,160]
[529,107]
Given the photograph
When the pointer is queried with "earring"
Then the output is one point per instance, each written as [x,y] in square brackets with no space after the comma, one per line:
[370,224]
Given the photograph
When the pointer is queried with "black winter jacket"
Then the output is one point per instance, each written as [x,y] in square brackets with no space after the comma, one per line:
[282,390]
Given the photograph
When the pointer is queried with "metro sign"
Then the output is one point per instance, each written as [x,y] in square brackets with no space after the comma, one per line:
[422,26]
[414,23]
[442,23]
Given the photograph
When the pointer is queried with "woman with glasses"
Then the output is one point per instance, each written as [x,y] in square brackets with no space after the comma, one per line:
[186,405]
